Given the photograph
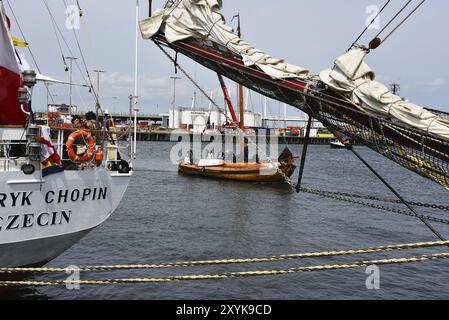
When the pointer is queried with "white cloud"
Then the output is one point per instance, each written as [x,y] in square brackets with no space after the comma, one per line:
[438,82]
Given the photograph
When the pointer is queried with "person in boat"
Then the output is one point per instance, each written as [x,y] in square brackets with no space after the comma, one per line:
[90,123]
[108,122]
[77,122]
[246,152]
[187,160]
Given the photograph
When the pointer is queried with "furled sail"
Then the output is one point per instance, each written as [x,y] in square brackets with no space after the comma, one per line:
[351,76]
[10,78]
[202,19]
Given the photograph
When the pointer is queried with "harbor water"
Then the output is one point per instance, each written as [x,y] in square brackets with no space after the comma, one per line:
[165,217]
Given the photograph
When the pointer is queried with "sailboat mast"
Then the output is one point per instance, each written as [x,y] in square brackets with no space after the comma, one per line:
[227,98]
[240,91]
[242,108]
[135,79]
[150,7]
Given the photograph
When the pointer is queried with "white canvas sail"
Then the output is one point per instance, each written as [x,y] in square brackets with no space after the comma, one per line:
[203,19]
[354,78]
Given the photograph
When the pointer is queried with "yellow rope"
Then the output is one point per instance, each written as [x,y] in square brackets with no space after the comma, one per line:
[229,275]
[390,248]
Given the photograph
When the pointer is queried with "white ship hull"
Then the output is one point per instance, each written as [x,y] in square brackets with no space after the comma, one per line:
[40,218]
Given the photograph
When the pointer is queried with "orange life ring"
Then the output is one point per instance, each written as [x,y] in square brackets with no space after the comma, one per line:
[90,143]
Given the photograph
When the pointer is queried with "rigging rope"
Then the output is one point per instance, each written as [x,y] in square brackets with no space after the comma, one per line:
[369,25]
[29,49]
[376,45]
[65,42]
[311,92]
[194,82]
[91,86]
[394,18]
[90,83]
[57,37]
[403,21]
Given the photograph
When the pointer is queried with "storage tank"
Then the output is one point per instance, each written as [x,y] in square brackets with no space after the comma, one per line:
[217,118]
[176,117]
[253,119]
[186,117]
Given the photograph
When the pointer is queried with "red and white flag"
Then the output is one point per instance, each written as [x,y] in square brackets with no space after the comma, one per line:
[10,78]
[50,159]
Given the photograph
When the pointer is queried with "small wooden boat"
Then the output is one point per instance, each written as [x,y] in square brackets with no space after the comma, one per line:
[251,172]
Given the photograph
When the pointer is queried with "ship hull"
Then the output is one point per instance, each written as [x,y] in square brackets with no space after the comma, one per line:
[38,252]
[40,218]
[336,145]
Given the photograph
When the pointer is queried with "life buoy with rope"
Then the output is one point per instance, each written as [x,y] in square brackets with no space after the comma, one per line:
[89,142]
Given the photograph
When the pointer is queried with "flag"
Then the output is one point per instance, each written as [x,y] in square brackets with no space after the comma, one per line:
[19,43]
[50,159]
[10,78]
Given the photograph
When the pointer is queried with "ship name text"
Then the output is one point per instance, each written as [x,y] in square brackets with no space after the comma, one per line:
[14,199]
[50,199]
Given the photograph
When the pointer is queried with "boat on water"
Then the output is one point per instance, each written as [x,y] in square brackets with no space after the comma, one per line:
[278,171]
[48,201]
[267,171]
[337,144]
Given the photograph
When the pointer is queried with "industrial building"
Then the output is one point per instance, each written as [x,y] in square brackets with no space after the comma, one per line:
[197,120]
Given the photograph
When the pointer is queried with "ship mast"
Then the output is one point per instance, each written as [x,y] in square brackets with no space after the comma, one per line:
[240,87]
[135,97]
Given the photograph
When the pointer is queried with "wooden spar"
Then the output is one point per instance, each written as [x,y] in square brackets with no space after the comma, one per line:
[228,100]
[150,5]
[241,108]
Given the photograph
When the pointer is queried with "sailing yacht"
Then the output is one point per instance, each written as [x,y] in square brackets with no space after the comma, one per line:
[45,206]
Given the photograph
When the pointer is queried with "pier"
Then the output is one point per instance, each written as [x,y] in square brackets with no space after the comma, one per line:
[165,136]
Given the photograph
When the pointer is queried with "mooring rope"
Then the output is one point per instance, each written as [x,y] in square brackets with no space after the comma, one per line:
[319,254]
[330,195]
[230,275]
[351,198]
[441,207]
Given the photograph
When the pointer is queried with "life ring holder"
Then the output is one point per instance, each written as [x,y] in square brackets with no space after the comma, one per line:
[89,141]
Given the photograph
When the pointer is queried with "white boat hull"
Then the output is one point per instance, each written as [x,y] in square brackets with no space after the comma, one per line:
[40,218]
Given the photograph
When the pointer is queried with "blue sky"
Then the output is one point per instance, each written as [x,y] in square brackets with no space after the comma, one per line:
[310,34]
